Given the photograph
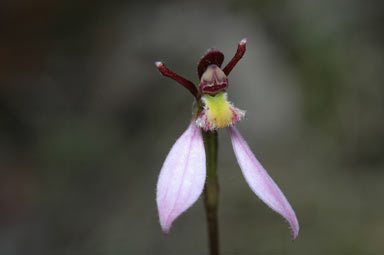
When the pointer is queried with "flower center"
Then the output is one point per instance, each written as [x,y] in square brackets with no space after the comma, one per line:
[213,80]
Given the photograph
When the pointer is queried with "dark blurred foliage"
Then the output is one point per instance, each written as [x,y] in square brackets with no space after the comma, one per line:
[86,121]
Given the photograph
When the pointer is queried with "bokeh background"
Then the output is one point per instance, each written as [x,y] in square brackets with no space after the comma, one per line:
[86,121]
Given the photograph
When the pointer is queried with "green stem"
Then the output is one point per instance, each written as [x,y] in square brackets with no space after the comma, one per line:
[211,190]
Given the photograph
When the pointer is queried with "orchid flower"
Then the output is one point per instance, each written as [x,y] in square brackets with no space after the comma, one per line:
[182,177]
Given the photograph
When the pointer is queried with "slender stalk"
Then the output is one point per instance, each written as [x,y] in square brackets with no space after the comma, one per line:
[211,190]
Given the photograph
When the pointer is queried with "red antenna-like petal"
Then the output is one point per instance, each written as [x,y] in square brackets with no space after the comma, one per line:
[239,54]
[168,73]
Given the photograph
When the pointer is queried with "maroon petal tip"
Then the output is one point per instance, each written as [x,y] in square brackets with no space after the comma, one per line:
[243,41]
[212,57]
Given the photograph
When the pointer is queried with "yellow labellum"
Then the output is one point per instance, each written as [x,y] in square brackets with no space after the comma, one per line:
[218,110]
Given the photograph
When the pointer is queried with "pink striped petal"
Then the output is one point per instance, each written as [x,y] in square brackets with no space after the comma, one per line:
[261,183]
[182,176]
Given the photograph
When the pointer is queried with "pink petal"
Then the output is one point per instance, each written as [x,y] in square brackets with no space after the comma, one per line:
[182,176]
[261,183]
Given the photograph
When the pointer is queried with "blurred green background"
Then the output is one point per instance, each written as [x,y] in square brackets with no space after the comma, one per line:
[86,121]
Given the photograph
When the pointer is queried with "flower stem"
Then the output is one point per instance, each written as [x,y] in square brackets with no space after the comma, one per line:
[211,190]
